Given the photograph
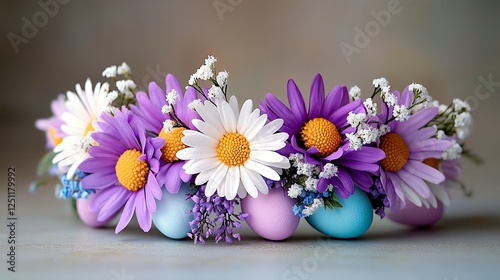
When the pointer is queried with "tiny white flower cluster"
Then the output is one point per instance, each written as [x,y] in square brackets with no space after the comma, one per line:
[112,71]
[380,82]
[168,125]
[389,98]
[294,191]
[193,104]
[329,171]
[371,107]
[356,119]
[422,98]
[365,133]
[355,92]
[311,184]
[126,87]
[172,97]
[453,152]
[205,72]
[401,113]
[309,210]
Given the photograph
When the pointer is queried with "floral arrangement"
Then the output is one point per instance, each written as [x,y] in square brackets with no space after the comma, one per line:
[185,158]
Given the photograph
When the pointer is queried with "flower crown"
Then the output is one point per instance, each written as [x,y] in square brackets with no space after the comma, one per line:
[184,158]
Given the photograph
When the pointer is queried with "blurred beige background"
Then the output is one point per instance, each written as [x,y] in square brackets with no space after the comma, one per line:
[451,47]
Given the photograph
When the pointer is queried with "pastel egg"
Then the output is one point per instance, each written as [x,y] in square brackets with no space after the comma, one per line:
[89,217]
[170,217]
[271,215]
[414,216]
[349,221]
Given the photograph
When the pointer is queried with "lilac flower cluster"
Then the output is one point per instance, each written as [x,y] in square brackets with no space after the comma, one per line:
[72,187]
[378,199]
[203,225]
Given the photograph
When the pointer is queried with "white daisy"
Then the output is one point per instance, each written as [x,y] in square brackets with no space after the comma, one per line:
[84,109]
[234,150]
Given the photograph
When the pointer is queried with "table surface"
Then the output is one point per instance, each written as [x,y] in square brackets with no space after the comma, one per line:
[53,244]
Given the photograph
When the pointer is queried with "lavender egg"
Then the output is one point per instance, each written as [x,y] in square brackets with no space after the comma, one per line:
[414,216]
[271,215]
[89,217]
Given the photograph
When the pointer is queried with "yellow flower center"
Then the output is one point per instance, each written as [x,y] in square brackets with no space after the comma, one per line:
[131,172]
[52,135]
[233,149]
[173,143]
[432,162]
[322,134]
[88,129]
[396,152]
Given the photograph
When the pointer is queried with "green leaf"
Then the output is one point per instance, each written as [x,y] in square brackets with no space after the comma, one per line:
[45,163]
[332,201]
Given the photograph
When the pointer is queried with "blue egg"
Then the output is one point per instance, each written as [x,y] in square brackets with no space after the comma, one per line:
[349,221]
[170,217]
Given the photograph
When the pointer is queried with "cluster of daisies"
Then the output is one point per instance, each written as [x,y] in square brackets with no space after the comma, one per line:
[126,146]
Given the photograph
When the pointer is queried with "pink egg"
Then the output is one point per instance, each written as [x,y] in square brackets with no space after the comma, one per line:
[88,217]
[415,216]
[271,215]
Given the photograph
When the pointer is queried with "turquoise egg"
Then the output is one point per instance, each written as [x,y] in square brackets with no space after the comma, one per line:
[349,221]
[170,217]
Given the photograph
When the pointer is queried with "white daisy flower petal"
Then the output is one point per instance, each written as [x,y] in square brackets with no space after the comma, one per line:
[244,115]
[262,170]
[255,127]
[247,182]
[234,150]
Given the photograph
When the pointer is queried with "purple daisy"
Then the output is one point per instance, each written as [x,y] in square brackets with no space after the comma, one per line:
[150,115]
[407,144]
[52,125]
[320,135]
[122,170]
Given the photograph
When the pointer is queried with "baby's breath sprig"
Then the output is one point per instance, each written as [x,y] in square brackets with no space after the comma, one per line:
[126,88]
[206,72]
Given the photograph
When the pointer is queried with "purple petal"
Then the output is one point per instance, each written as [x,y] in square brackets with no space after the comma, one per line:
[357,165]
[98,165]
[420,134]
[415,182]
[283,112]
[339,117]
[424,171]
[296,101]
[102,197]
[417,120]
[335,155]
[317,97]
[114,203]
[365,154]
[346,181]
[109,141]
[103,152]
[337,98]
[362,179]
[322,185]
[97,181]
[127,213]
[173,182]
[153,187]
[143,214]
[406,98]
